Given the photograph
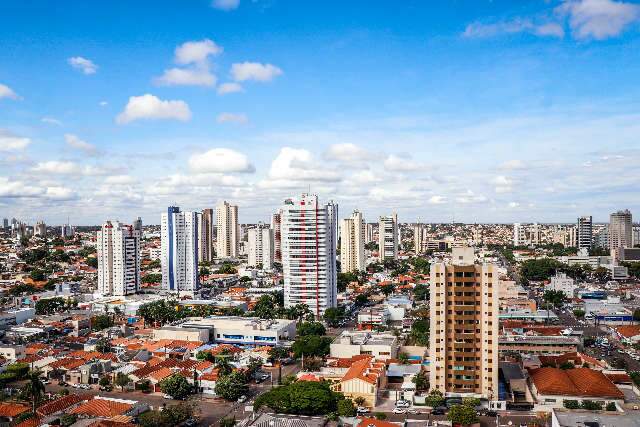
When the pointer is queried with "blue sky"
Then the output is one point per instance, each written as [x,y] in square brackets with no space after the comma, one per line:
[488,111]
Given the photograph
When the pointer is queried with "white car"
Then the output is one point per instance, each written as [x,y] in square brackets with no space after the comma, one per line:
[403,404]
[398,410]
[242,399]
[166,396]
[362,410]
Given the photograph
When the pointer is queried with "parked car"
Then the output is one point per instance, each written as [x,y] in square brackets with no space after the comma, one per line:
[166,396]
[362,410]
[242,399]
[440,410]
[403,404]
[398,410]
[491,414]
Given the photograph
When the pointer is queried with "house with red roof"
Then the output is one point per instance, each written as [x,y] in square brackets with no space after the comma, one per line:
[363,379]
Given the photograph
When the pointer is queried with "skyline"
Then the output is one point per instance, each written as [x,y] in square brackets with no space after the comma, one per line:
[479,111]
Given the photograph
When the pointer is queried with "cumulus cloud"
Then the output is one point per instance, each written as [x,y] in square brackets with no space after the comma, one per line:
[254,71]
[225,4]
[469,197]
[120,180]
[513,164]
[400,163]
[347,152]
[196,76]
[196,52]
[293,165]
[74,141]
[193,56]
[230,87]
[236,118]
[220,160]
[7,92]
[150,107]
[83,64]
[479,29]
[599,19]
[437,200]
[10,189]
[60,193]
[10,142]
[503,184]
[61,167]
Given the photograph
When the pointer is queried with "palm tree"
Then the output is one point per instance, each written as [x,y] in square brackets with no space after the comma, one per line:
[35,388]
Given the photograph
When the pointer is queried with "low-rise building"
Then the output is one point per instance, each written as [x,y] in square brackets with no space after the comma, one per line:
[362,379]
[244,330]
[12,352]
[382,346]
[532,344]
[560,282]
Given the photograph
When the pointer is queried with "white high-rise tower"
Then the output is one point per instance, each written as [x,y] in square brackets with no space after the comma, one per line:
[388,237]
[309,234]
[227,226]
[260,242]
[352,236]
[179,242]
[118,259]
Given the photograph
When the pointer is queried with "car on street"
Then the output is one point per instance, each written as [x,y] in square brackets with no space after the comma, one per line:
[403,404]
[362,410]
[398,410]
[440,410]
[242,399]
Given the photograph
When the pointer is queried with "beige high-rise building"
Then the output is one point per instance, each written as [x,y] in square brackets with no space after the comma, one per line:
[620,230]
[388,237]
[418,238]
[205,240]
[464,326]
[227,228]
[352,240]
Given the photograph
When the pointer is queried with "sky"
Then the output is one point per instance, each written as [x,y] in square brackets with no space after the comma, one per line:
[465,110]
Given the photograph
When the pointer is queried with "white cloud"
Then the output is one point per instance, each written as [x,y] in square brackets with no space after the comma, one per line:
[51,121]
[365,177]
[120,180]
[220,160]
[599,19]
[225,4]
[254,71]
[503,184]
[237,118]
[347,152]
[293,165]
[479,29]
[83,64]
[11,142]
[60,193]
[470,197]
[196,52]
[400,163]
[103,103]
[150,107]
[513,205]
[7,92]
[77,143]
[195,76]
[513,164]
[10,189]
[230,87]
[437,200]
[60,167]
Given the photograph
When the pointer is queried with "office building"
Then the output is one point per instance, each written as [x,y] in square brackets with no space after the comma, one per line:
[620,230]
[584,232]
[118,252]
[179,243]
[5,223]
[276,221]
[66,231]
[464,326]
[418,238]
[228,230]
[352,232]
[137,225]
[205,244]
[260,242]
[40,229]
[388,237]
[309,234]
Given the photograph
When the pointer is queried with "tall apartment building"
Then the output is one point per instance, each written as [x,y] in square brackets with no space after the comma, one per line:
[519,236]
[352,231]
[137,225]
[205,242]
[388,237]
[118,254]
[5,222]
[620,230]
[228,230]
[368,237]
[418,238]
[40,229]
[309,239]
[584,232]
[464,326]
[179,244]
[260,243]
[276,226]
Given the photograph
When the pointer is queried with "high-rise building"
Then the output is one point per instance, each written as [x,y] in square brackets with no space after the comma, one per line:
[118,259]
[352,232]
[66,231]
[276,226]
[418,238]
[5,223]
[518,234]
[584,232]
[179,243]
[388,237]
[620,230]
[227,223]
[137,225]
[205,244]
[601,238]
[40,229]
[369,233]
[260,242]
[464,326]
[309,234]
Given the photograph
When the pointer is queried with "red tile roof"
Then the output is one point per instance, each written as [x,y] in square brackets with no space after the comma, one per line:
[365,369]
[628,331]
[61,404]
[582,382]
[12,409]
[102,408]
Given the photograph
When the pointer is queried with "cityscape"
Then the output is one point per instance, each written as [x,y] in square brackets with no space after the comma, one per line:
[226,244]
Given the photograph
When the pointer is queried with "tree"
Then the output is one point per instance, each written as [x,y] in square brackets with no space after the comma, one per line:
[176,386]
[301,398]
[359,400]
[37,275]
[103,345]
[311,345]
[101,321]
[421,292]
[344,279]
[556,298]
[35,388]
[265,307]
[232,386]
[421,380]
[403,358]
[380,416]
[92,262]
[227,422]
[471,402]
[434,398]
[68,419]
[152,278]
[539,269]
[566,365]
[579,313]
[227,268]
[361,300]
[601,274]
[387,289]
[346,408]
[311,328]
[463,415]
[636,314]
[104,381]
[170,416]
[122,380]
[420,332]
[591,405]
[333,315]
[571,404]
[611,406]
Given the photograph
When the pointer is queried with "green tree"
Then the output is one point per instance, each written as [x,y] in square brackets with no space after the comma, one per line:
[34,388]
[227,422]
[380,416]
[227,268]
[403,358]
[311,328]
[344,279]
[463,415]
[421,380]
[539,269]
[387,289]
[301,398]
[421,292]
[152,278]
[265,307]
[434,398]
[68,419]
[101,321]
[346,408]
[571,404]
[333,315]
[176,386]
[311,345]
[420,332]
[591,405]
[611,406]
[122,380]
[92,262]
[579,313]
[103,345]
[360,401]
[471,402]
[104,381]
[231,387]
[556,298]
[37,275]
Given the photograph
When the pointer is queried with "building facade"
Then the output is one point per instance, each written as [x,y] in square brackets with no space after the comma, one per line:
[584,232]
[118,252]
[464,326]
[418,238]
[260,242]
[309,234]
[388,237]
[228,230]
[620,230]
[352,236]
[179,244]
[205,243]
[276,221]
